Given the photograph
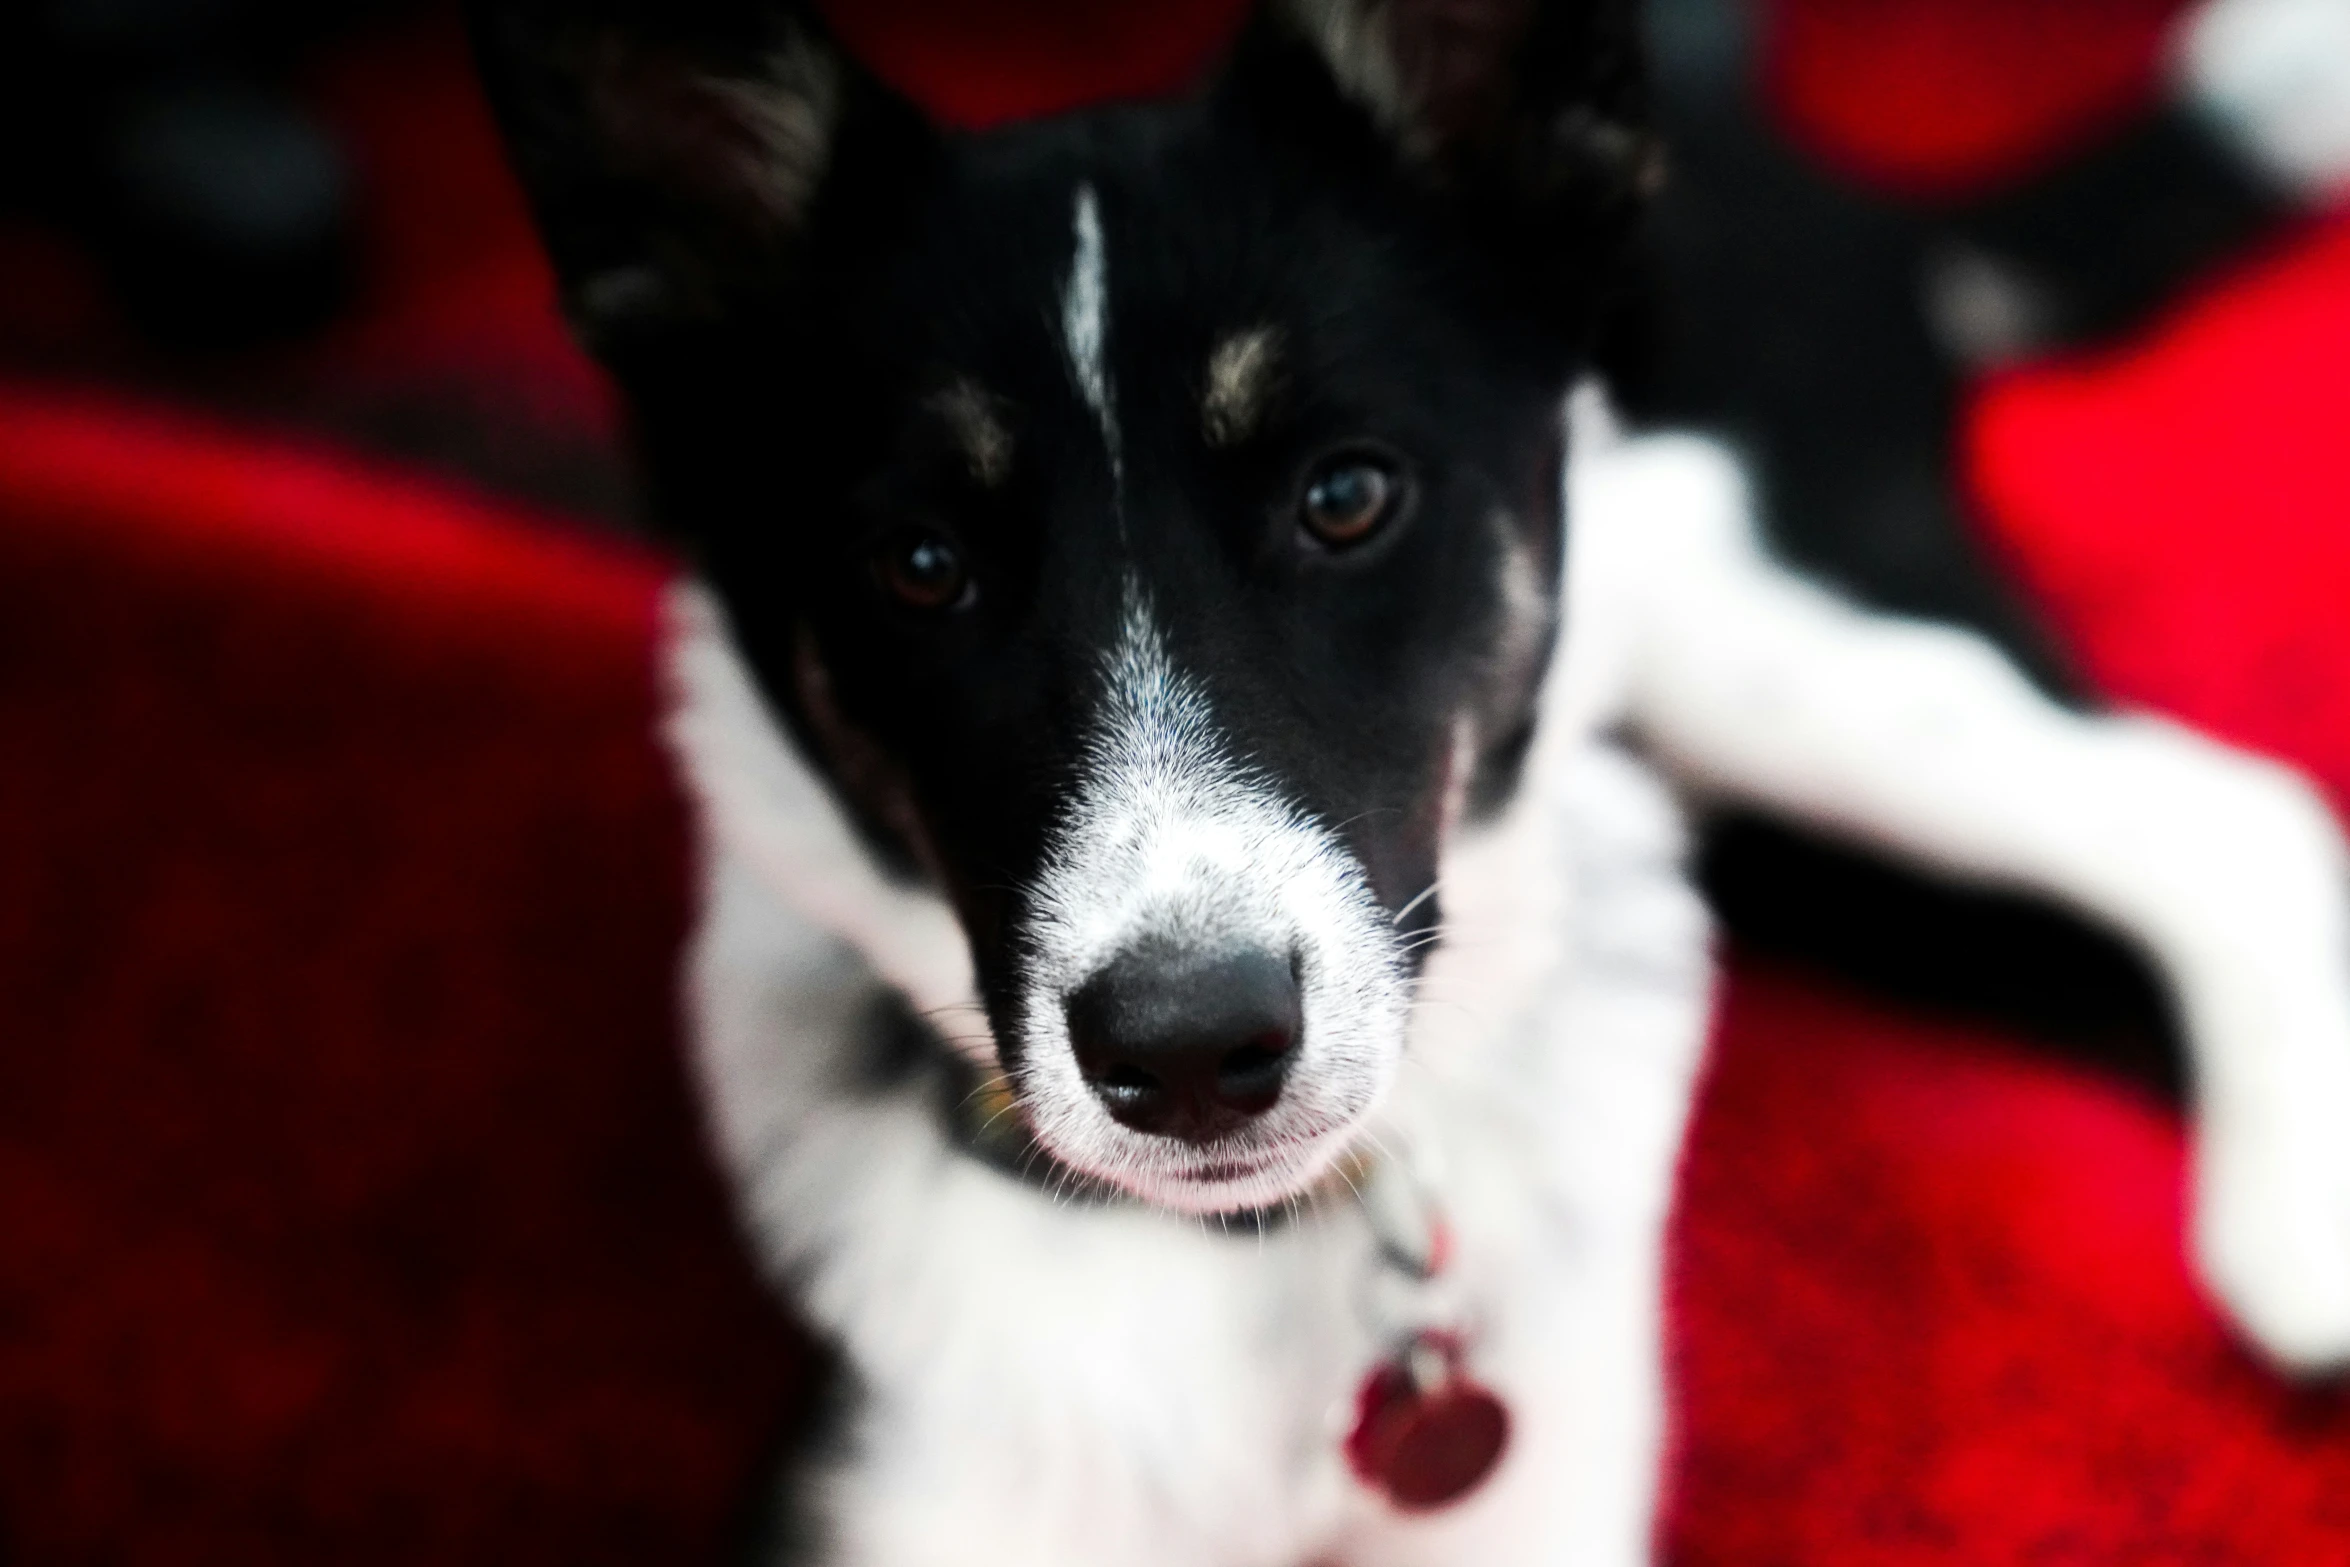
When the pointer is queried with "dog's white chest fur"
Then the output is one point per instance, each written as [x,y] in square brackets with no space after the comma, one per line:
[1053,1382]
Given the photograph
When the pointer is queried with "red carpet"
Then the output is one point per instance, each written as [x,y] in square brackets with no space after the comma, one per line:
[351,1207]
[2181,506]
[1932,1312]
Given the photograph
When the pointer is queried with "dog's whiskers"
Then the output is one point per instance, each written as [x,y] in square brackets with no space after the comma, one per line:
[1418,898]
[1364,816]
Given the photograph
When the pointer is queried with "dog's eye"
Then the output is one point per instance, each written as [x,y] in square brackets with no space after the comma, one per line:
[923,570]
[1348,498]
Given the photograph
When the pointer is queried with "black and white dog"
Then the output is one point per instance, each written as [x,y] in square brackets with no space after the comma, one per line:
[1198,988]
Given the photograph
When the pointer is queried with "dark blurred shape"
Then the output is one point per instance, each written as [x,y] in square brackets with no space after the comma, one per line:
[2110,236]
[296,216]
[223,216]
[163,133]
[1956,951]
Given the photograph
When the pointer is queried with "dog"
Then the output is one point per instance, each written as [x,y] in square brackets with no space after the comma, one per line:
[1198,988]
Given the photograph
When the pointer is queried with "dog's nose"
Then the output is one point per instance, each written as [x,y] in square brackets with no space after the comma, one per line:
[1187,1045]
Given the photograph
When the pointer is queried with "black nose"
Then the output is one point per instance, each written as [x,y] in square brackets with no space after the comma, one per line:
[1187,1044]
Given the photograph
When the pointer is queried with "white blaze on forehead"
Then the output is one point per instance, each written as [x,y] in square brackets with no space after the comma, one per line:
[1164,816]
[1171,841]
[1085,321]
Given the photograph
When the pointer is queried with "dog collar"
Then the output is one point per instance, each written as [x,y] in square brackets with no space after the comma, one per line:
[1426,1432]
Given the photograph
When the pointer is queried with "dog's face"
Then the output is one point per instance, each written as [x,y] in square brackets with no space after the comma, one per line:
[1149,518]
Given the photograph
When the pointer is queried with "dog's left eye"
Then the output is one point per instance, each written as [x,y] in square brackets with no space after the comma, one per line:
[1347,499]
[923,569]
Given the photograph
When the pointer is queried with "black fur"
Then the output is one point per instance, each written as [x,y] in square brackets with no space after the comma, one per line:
[1434,290]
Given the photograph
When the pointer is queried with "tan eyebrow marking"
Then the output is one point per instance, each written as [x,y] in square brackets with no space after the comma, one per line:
[973,417]
[1243,371]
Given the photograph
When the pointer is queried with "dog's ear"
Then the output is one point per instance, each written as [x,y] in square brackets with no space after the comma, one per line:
[675,151]
[1530,101]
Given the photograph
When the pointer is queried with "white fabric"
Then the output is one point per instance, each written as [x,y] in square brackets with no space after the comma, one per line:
[2275,74]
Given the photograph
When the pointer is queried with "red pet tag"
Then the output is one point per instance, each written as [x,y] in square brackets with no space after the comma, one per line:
[1426,1434]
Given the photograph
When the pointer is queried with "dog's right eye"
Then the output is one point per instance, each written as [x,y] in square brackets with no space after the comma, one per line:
[1350,497]
[923,569]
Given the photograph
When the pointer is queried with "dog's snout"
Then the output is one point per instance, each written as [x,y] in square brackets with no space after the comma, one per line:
[1187,1045]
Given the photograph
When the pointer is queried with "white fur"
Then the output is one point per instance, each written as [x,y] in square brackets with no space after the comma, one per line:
[2227,869]
[761,803]
[1049,1384]
[2276,75]
[1085,322]
[1167,837]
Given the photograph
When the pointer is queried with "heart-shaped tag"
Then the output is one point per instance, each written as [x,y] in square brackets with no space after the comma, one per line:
[1425,1433]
